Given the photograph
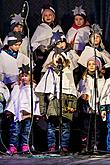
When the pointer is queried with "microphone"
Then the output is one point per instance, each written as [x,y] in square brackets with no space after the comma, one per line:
[24,11]
[59,64]
[60,61]
[50,47]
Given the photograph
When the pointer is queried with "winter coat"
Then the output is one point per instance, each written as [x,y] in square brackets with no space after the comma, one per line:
[21,101]
[79,37]
[88,87]
[43,34]
[9,66]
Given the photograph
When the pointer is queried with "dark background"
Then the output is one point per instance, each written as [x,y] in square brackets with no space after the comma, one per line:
[98,11]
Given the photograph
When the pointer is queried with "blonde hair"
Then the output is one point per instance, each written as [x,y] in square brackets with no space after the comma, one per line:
[100,73]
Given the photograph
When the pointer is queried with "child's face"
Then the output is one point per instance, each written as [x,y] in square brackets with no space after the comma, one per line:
[91,66]
[25,79]
[18,28]
[48,16]
[79,20]
[61,45]
[96,39]
[15,47]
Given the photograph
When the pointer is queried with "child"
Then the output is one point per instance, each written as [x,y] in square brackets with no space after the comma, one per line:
[78,34]
[41,38]
[105,110]
[17,24]
[11,59]
[4,96]
[92,48]
[88,103]
[49,88]
[95,47]
[19,111]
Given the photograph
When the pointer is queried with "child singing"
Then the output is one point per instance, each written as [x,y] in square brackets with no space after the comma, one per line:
[20,113]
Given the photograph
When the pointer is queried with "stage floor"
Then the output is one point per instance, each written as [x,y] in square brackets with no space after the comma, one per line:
[55,159]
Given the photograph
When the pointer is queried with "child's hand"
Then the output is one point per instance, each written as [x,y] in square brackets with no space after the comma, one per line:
[9,115]
[44,116]
[42,48]
[85,97]
[70,109]
[90,110]
[103,115]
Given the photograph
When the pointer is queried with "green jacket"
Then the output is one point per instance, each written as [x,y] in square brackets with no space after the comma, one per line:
[51,106]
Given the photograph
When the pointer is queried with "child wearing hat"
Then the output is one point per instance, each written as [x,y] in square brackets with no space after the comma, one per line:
[44,31]
[48,89]
[19,112]
[17,24]
[95,47]
[11,59]
[90,89]
[41,38]
[78,34]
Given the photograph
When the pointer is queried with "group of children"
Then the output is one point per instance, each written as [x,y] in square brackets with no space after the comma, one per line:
[70,74]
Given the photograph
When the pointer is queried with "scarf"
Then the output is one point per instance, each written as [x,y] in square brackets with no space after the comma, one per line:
[12,53]
[78,27]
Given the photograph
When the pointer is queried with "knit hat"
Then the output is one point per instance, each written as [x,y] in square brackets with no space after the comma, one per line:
[47,7]
[24,69]
[79,11]
[97,62]
[16,19]
[14,37]
[57,37]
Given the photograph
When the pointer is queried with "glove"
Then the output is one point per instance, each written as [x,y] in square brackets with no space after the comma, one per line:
[44,116]
[42,48]
[9,115]
[103,115]
[85,97]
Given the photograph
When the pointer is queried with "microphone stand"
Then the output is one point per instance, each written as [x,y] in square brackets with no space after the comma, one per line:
[29,52]
[60,68]
[95,102]
[95,109]
[96,106]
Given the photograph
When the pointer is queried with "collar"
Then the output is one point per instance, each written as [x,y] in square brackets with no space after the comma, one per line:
[78,27]
[12,53]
